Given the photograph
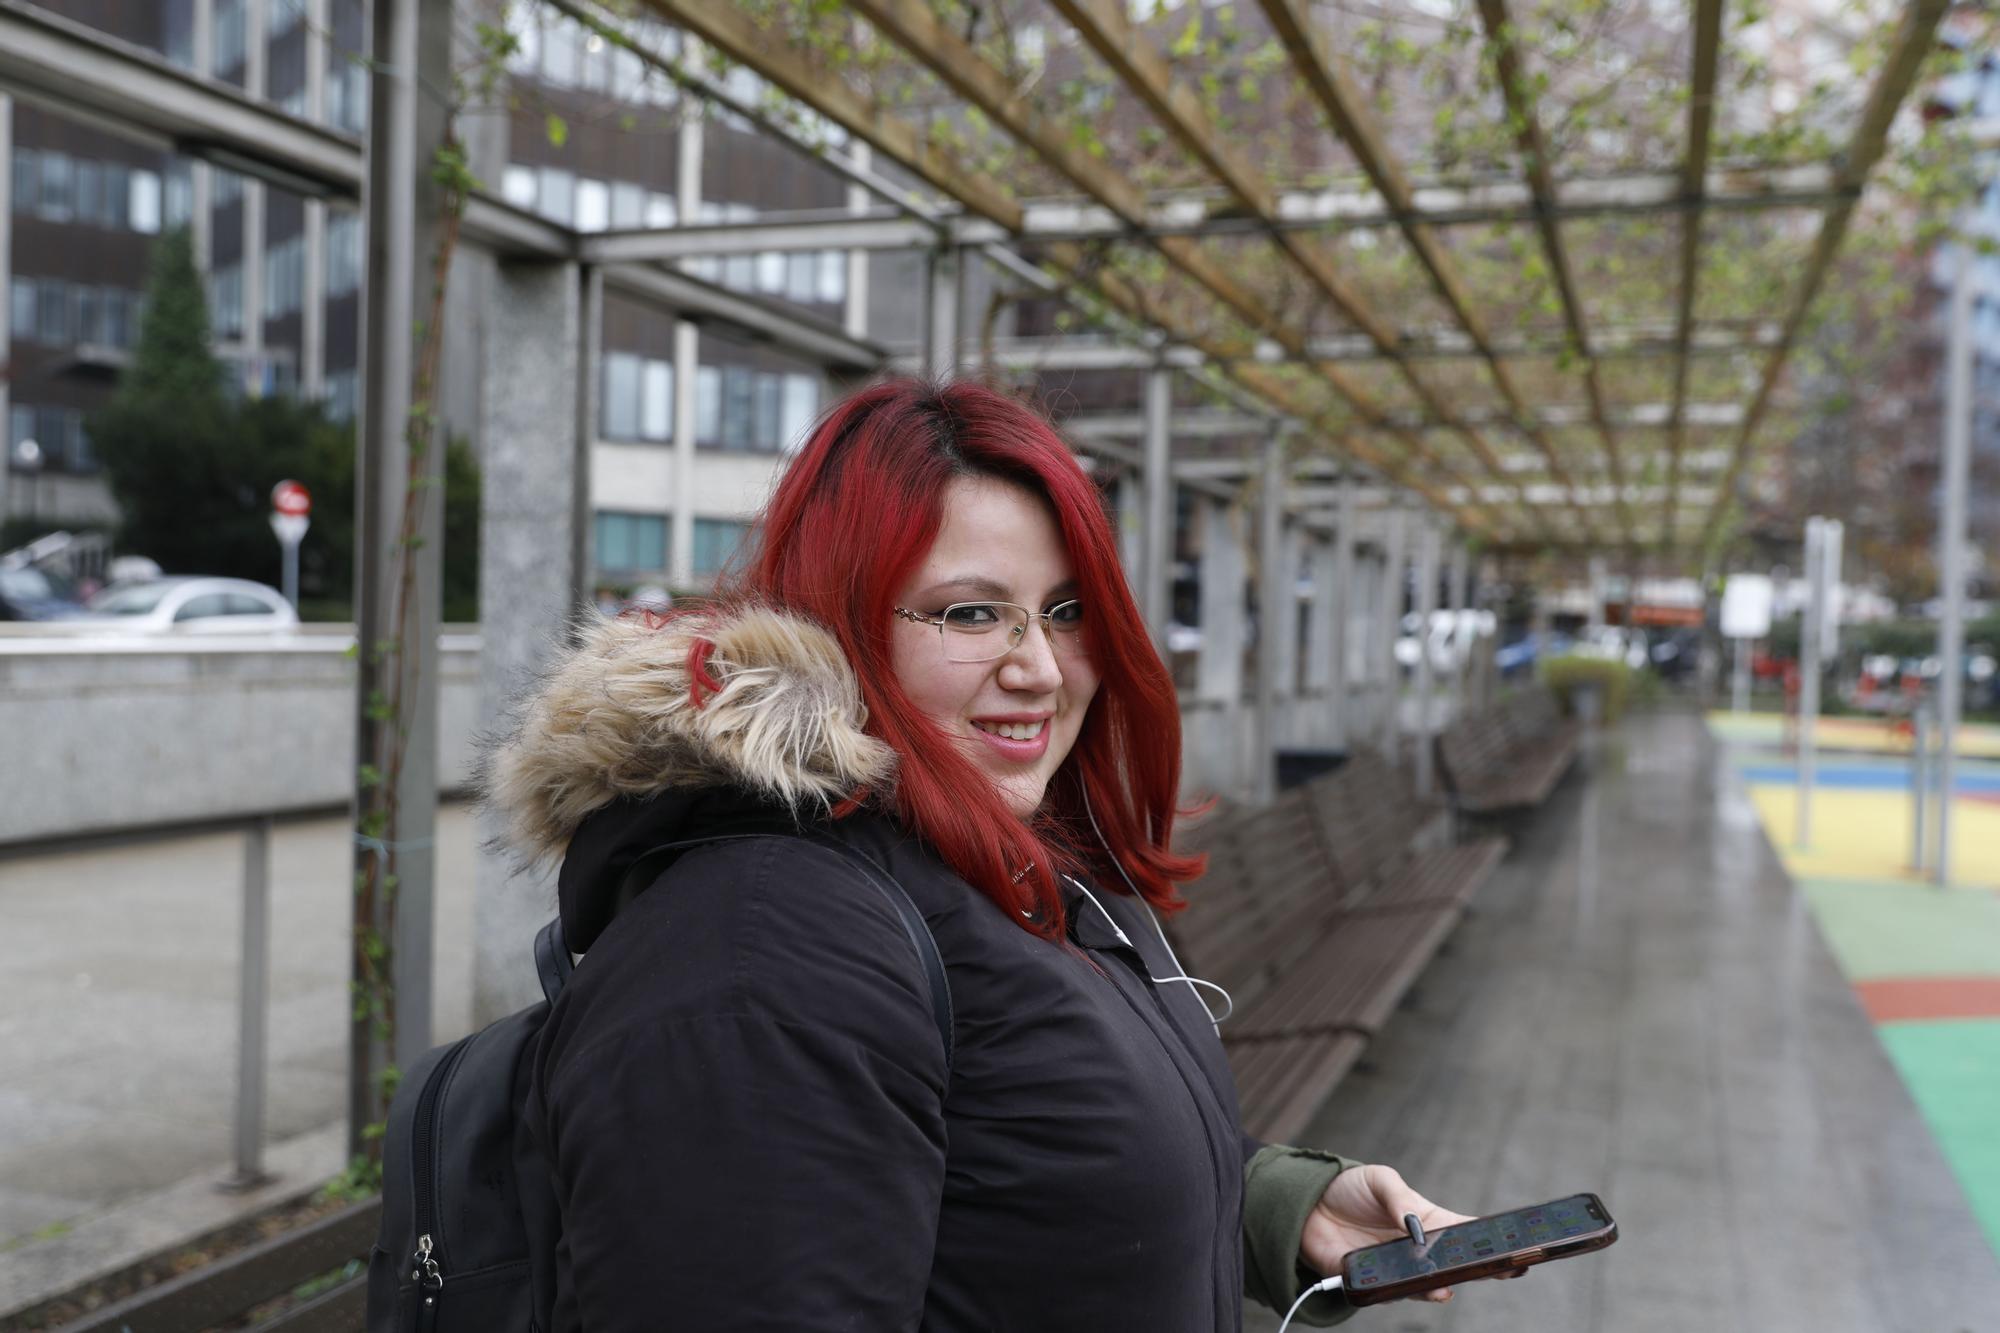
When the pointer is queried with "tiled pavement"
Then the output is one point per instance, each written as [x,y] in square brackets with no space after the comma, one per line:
[1643,1005]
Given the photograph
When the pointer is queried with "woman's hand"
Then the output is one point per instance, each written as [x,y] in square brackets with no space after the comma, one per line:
[1365,1205]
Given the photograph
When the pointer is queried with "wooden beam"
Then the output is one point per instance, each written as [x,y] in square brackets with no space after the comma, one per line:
[737,37]
[1535,166]
[1142,67]
[1914,39]
[913,26]
[1326,74]
[1694,177]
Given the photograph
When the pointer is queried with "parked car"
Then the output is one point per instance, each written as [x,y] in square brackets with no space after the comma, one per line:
[189,605]
[26,593]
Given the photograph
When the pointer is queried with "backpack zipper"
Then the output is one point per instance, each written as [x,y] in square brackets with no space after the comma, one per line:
[428,1274]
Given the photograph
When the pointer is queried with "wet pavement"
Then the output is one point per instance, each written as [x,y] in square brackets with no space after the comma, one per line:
[1643,1005]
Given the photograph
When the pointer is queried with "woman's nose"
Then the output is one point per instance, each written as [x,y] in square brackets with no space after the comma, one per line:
[1032,664]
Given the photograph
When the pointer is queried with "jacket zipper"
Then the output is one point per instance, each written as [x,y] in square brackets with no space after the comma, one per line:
[428,1273]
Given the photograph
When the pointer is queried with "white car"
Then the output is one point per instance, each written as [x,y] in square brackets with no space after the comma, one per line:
[188,605]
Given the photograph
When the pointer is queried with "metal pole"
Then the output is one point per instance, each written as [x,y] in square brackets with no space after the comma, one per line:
[1427,583]
[1395,572]
[1274,600]
[291,588]
[410,41]
[1809,644]
[1343,609]
[1458,583]
[252,1002]
[1740,678]
[1920,778]
[1156,537]
[1951,552]
[941,314]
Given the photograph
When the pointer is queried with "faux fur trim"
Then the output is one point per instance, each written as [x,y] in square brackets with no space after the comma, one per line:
[616,718]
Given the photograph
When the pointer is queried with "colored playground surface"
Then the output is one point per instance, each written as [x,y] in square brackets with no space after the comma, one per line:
[1924,960]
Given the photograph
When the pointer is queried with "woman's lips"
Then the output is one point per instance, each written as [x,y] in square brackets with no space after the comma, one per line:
[1020,752]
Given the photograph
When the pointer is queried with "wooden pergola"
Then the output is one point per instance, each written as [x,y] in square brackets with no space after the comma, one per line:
[1456,411]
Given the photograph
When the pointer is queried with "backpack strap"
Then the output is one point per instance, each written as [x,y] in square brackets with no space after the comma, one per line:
[553,963]
[649,867]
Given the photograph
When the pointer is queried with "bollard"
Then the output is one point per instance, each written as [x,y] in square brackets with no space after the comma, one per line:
[1920,741]
[252,994]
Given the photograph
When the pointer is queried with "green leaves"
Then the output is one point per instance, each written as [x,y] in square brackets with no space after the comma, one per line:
[556,128]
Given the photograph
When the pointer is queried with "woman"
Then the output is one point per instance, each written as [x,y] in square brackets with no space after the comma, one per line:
[753,1118]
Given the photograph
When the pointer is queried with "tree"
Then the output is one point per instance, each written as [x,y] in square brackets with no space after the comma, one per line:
[192,468]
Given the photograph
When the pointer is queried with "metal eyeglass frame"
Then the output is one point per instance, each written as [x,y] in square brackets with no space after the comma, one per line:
[1070,640]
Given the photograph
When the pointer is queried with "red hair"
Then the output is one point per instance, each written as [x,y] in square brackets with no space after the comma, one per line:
[853,517]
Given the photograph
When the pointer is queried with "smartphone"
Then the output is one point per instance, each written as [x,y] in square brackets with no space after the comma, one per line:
[1484,1247]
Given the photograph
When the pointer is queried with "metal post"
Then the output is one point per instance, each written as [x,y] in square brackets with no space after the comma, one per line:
[291,574]
[691,146]
[1597,592]
[1343,608]
[1920,781]
[941,314]
[1273,601]
[1809,646]
[1739,686]
[1459,589]
[1395,575]
[1157,533]
[1427,582]
[252,1004]
[1951,552]
[410,46]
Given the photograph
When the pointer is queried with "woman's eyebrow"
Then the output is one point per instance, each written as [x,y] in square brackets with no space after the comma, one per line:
[986,587]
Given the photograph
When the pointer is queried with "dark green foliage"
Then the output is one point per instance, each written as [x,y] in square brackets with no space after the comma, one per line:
[192,470]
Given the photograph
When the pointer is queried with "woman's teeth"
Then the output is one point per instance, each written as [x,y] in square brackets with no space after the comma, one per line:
[1014,731]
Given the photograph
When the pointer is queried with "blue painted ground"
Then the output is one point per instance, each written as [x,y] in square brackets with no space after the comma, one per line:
[1871,777]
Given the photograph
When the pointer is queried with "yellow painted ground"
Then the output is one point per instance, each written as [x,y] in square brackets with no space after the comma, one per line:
[1883,736]
[1866,835]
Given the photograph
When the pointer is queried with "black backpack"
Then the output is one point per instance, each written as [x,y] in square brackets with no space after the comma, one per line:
[469,1216]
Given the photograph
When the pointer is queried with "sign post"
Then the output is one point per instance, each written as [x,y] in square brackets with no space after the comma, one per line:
[291,504]
[1746,615]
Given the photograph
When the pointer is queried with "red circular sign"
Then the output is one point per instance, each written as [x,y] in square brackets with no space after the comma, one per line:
[288,497]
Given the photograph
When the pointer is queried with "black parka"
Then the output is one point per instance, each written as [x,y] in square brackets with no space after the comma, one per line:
[746,1100]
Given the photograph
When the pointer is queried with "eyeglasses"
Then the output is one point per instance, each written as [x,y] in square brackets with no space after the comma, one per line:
[984,631]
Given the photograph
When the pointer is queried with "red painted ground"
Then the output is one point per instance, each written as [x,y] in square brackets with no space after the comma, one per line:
[1916,999]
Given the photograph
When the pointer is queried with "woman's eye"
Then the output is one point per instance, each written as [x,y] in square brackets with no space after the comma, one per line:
[1067,616]
[971,615]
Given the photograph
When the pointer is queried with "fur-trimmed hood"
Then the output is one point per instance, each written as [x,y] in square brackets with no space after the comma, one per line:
[622,719]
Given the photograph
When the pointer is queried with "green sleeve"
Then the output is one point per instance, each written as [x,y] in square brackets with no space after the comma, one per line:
[1280,1187]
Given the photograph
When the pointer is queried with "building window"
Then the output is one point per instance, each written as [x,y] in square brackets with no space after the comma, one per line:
[228,35]
[632,543]
[56,202]
[342,394]
[284,277]
[708,405]
[558,195]
[739,403]
[593,205]
[619,406]
[801,406]
[715,541]
[285,15]
[52,313]
[176,196]
[628,205]
[227,189]
[27,174]
[21,309]
[517,186]
[833,276]
[178,24]
[638,398]
[225,300]
[343,253]
[660,210]
[656,401]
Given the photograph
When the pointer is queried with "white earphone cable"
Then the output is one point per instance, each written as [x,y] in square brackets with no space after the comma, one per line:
[1180,972]
[1331,1284]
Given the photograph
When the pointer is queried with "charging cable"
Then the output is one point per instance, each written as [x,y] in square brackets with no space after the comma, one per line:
[1331,1284]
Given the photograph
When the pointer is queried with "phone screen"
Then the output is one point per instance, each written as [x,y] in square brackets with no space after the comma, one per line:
[1472,1244]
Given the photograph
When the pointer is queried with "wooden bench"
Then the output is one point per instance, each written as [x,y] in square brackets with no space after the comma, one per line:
[1510,756]
[1317,914]
[222,1292]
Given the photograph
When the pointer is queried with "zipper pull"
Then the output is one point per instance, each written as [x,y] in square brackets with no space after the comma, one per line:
[427,1274]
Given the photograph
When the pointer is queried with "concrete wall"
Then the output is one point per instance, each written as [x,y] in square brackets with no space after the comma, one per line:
[96,737]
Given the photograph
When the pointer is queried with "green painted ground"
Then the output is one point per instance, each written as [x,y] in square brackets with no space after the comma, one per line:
[1952,1068]
[1908,930]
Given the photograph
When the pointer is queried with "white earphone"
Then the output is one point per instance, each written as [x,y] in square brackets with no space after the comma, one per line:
[1180,972]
